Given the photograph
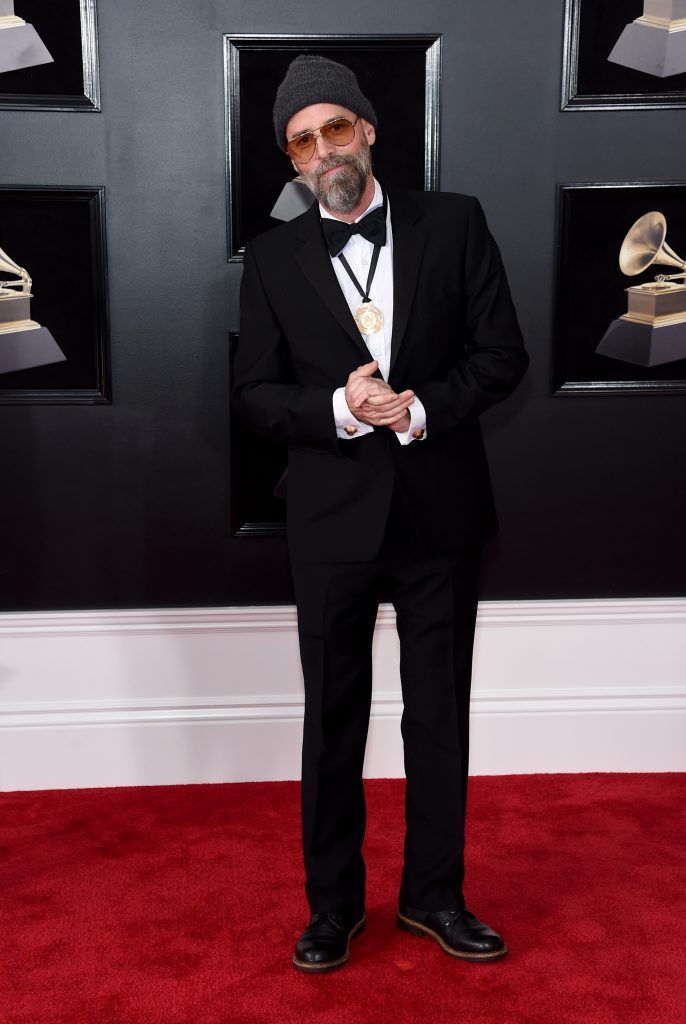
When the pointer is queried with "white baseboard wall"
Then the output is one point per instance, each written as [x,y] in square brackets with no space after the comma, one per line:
[173,696]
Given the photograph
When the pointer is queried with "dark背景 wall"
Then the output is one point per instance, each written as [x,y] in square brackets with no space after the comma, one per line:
[126,505]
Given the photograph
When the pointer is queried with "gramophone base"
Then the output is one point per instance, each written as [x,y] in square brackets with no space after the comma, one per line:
[643,344]
[651,49]
[20,350]
[22,47]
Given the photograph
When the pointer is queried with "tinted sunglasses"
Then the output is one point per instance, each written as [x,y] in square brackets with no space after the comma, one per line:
[339,132]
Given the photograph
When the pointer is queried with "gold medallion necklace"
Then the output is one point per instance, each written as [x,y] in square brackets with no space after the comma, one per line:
[368,316]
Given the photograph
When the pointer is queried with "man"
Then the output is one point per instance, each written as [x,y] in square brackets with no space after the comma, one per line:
[371,351]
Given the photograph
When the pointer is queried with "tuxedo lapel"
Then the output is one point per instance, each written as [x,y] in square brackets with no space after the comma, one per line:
[408,249]
[315,262]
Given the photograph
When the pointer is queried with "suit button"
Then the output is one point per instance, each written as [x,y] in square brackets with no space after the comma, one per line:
[418,433]
[350,430]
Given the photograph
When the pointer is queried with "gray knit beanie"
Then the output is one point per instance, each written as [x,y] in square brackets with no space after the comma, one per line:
[317,80]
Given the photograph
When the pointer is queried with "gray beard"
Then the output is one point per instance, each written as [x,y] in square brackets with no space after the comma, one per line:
[342,192]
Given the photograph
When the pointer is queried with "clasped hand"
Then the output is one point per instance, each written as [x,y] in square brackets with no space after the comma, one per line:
[373,401]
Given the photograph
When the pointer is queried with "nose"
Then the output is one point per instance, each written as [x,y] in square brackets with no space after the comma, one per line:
[324,148]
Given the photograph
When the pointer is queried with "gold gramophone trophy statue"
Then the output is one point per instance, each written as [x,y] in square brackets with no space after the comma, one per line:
[655,42]
[20,44]
[23,342]
[653,330]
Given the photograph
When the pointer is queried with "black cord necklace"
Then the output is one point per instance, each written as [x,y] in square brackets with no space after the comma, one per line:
[368,317]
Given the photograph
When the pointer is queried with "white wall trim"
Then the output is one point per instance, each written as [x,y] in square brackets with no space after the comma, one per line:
[270,618]
[154,696]
[588,700]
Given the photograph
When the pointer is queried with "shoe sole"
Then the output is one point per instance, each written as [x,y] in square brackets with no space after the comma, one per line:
[330,965]
[406,924]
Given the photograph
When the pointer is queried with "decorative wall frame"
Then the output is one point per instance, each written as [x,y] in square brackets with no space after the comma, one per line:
[58,235]
[593,30]
[396,72]
[71,81]
[593,221]
[256,469]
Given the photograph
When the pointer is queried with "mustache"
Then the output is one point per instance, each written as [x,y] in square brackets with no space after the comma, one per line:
[328,163]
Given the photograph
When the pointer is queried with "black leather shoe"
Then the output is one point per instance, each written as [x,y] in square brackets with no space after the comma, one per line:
[457,931]
[325,943]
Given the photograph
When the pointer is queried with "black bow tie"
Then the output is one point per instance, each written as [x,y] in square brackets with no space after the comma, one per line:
[372,227]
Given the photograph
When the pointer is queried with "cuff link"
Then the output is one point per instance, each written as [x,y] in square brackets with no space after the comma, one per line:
[353,430]
[419,433]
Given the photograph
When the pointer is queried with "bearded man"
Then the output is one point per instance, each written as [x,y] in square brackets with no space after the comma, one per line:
[375,328]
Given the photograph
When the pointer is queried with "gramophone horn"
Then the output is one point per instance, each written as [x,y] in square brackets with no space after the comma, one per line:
[645,244]
[7,263]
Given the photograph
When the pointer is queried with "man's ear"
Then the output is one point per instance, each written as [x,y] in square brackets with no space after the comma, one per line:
[369,131]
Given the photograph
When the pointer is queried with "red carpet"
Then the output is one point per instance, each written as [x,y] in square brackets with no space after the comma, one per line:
[181,904]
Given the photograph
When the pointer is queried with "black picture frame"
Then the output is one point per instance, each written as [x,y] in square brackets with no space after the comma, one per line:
[58,235]
[396,72]
[590,81]
[68,28]
[592,221]
[256,466]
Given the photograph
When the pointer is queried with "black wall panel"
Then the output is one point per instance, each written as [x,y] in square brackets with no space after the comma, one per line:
[127,505]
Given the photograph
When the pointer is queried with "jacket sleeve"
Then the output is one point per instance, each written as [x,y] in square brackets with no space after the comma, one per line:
[495,359]
[264,392]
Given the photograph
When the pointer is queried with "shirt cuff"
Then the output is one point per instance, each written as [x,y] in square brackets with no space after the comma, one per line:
[344,418]
[417,428]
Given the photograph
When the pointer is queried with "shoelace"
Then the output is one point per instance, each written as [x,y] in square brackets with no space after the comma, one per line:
[332,918]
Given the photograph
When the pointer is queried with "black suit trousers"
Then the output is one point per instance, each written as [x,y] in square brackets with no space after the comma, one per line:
[435,599]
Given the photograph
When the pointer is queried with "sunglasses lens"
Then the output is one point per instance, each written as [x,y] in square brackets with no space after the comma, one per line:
[302,147]
[339,132]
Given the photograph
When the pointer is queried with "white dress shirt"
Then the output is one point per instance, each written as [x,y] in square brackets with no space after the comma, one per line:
[358,252]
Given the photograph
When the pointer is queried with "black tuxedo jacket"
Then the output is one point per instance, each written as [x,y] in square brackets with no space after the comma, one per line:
[455,341]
